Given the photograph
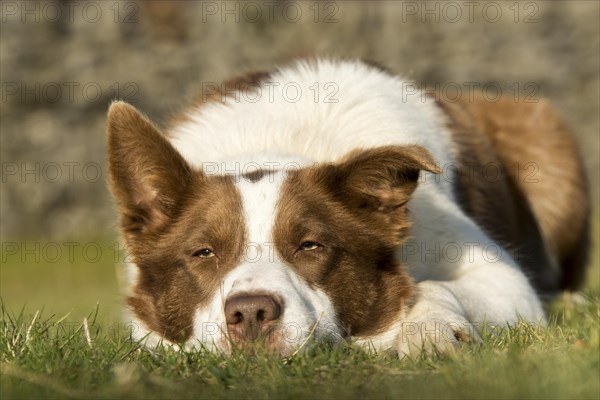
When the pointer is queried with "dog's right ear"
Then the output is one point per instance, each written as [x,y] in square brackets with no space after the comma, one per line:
[147,174]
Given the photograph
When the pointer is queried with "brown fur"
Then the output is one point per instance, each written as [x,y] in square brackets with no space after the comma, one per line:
[356,211]
[538,206]
[168,213]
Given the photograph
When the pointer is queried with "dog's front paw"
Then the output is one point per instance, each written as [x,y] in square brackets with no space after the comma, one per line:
[435,334]
[435,324]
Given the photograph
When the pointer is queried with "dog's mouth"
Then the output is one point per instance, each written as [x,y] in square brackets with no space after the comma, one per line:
[255,338]
[275,338]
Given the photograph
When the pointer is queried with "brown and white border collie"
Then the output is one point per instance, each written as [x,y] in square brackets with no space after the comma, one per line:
[368,212]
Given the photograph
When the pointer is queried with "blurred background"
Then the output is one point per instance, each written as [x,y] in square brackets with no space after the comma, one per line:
[62,62]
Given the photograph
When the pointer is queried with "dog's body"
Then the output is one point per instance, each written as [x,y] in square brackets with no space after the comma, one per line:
[395,219]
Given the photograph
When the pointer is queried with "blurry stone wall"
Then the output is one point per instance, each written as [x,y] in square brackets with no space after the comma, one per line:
[63,61]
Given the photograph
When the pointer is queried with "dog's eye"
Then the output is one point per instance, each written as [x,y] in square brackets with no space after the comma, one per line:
[308,245]
[204,253]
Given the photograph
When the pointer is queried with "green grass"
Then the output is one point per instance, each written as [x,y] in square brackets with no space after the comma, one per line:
[43,355]
[46,275]
[43,359]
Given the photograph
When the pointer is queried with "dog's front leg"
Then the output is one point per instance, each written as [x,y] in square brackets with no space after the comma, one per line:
[450,312]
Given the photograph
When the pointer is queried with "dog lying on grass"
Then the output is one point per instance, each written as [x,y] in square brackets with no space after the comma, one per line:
[324,200]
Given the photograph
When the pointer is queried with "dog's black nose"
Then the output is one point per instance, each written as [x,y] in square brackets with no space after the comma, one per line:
[249,316]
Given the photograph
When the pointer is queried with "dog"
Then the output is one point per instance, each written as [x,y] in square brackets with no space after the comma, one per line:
[325,201]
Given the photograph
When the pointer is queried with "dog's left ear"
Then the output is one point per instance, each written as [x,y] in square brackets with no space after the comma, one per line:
[375,184]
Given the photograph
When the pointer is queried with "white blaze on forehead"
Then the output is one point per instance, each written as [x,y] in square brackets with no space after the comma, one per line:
[259,201]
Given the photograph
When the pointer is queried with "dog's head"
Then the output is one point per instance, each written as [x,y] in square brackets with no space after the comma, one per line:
[276,256]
